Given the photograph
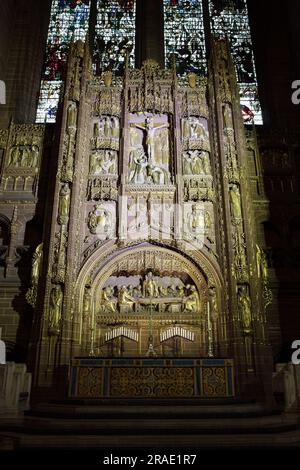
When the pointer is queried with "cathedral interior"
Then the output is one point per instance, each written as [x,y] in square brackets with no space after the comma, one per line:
[149,222]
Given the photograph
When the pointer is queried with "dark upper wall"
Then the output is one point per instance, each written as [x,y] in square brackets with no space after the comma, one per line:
[276,38]
[23,31]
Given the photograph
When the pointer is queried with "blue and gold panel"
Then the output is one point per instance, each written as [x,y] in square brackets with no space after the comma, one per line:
[151,378]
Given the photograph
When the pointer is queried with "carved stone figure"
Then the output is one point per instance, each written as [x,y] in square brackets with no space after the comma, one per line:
[192,301]
[206,163]
[107,301]
[157,175]
[258,260]
[150,286]
[264,266]
[86,306]
[196,162]
[14,157]
[56,298]
[150,129]
[107,127]
[125,299]
[104,163]
[36,264]
[235,202]
[115,128]
[245,308]
[213,300]
[138,166]
[100,220]
[35,155]
[196,220]
[64,204]
[24,156]
[107,78]
[227,116]
[187,164]
[72,116]
[192,80]
[207,221]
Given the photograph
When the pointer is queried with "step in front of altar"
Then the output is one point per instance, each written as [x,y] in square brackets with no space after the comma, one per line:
[98,377]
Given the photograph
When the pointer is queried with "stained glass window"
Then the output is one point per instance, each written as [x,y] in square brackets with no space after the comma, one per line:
[230,18]
[115,35]
[69,21]
[184,35]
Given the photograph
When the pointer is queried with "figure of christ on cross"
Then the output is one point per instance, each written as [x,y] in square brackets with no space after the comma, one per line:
[149,128]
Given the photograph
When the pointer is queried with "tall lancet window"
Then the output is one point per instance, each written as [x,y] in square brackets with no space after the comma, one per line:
[230,18]
[184,35]
[69,21]
[115,35]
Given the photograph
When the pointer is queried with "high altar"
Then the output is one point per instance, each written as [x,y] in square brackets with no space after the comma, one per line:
[150,282]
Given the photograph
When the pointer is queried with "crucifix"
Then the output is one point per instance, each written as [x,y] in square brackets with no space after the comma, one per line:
[149,128]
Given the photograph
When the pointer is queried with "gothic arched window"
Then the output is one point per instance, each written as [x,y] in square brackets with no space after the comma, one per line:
[69,21]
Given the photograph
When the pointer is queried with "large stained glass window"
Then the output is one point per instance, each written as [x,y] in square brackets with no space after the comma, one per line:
[115,35]
[69,21]
[230,18]
[184,35]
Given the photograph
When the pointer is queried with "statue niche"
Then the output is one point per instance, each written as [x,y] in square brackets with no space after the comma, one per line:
[196,162]
[194,129]
[106,132]
[104,162]
[149,154]
[24,156]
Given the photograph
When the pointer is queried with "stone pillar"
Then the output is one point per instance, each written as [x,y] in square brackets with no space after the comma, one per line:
[150,31]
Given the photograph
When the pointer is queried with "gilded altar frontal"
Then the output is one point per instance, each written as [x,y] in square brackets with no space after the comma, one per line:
[149,221]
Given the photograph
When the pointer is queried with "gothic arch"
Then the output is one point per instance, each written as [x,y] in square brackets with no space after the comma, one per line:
[102,263]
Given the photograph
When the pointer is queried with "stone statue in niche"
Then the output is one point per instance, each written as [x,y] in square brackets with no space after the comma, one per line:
[104,162]
[115,128]
[158,175]
[138,164]
[87,300]
[244,303]
[141,171]
[207,222]
[64,204]
[36,264]
[196,162]
[134,137]
[192,301]
[193,129]
[192,80]
[24,156]
[35,151]
[100,221]
[227,116]
[235,202]
[150,286]
[125,299]
[56,298]
[72,117]
[196,221]
[107,301]
[213,300]
[14,157]
[108,127]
